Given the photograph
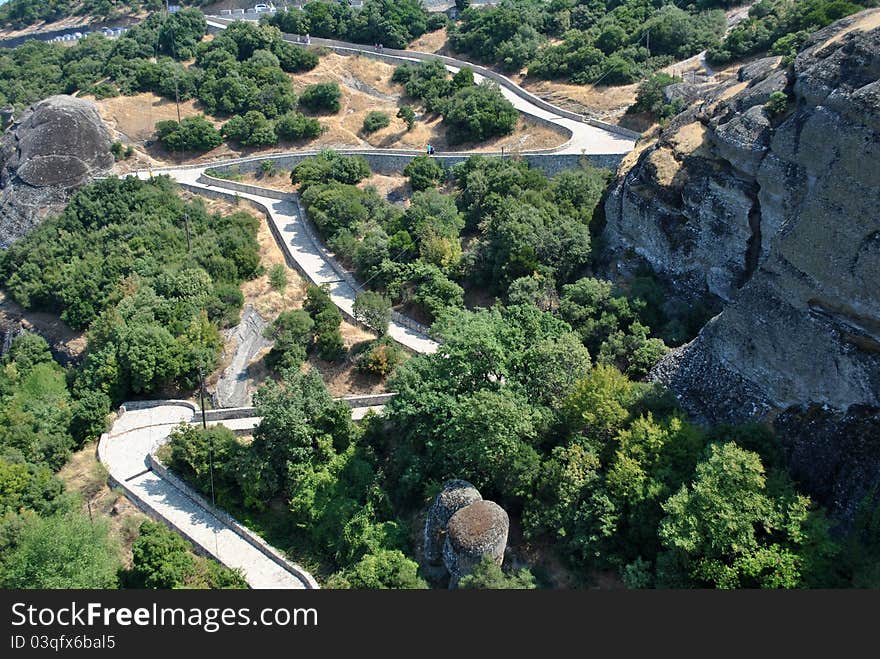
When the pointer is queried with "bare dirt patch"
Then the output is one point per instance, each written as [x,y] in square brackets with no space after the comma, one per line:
[60,336]
[366,86]
[603,103]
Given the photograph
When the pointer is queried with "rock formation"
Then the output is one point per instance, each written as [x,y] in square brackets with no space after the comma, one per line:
[477,530]
[460,528]
[56,146]
[455,495]
[776,218]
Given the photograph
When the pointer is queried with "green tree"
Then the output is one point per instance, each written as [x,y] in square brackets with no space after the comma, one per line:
[406,113]
[488,575]
[322,97]
[162,559]
[293,334]
[293,126]
[732,528]
[424,172]
[375,120]
[191,134]
[478,113]
[373,310]
[380,570]
[60,551]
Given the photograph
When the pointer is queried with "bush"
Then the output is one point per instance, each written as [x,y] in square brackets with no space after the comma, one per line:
[408,115]
[191,134]
[376,120]
[381,358]
[322,97]
[776,104]
[424,172]
[330,166]
[278,277]
[478,113]
[252,129]
[373,310]
[293,334]
[650,97]
[294,126]
[487,574]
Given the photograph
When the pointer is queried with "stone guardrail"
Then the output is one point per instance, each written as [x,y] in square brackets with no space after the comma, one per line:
[392,54]
[241,531]
[247,535]
[343,274]
[228,413]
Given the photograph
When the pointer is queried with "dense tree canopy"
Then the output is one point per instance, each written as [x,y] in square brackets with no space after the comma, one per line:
[392,23]
[116,262]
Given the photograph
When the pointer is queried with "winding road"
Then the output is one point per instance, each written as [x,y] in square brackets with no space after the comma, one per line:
[127,449]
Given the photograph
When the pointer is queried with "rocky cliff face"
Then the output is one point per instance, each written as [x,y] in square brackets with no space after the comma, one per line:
[55,147]
[776,218]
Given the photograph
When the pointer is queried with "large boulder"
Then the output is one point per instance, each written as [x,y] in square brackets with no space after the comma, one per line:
[55,147]
[475,531]
[455,495]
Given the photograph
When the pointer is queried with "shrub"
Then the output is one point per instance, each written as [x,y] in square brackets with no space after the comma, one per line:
[373,310]
[278,277]
[650,97]
[191,134]
[381,358]
[322,97]
[251,129]
[776,104]
[330,166]
[376,120]
[423,172]
[408,115]
[293,334]
[478,113]
[294,126]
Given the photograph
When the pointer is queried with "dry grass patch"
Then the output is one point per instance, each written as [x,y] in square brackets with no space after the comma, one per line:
[84,475]
[432,42]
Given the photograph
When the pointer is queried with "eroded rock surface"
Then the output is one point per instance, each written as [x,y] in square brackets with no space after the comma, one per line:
[55,147]
[776,218]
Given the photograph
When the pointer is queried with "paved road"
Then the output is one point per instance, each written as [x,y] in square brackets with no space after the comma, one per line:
[125,451]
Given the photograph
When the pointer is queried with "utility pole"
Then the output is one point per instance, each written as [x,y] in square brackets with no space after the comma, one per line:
[189,246]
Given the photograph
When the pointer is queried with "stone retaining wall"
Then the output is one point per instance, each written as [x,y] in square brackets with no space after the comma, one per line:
[365,400]
[393,161]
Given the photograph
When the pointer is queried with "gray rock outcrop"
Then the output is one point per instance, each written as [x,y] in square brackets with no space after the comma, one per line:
[477,530]
[55,147]
[775,218]
[460,528]
[455,495]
